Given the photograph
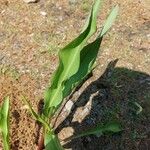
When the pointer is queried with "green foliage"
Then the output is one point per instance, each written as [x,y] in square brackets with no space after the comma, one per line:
[69,64]
[110,20]
[4,123]
[52,142]
[76,61]
[35,115]
[112,127]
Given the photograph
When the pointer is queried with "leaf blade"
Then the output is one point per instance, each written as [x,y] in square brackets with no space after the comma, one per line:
[4,123]
[110,20]
[88,57]
[113,127]
[51,142]
[69,58]
[34,114]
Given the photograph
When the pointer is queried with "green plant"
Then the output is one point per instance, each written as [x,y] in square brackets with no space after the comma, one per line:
[76,61]
[4,123]
[99,129]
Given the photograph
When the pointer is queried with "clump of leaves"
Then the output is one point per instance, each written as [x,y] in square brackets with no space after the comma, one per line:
[76,61]
[4,123]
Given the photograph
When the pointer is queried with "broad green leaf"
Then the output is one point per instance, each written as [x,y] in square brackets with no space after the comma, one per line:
[4,123]
[69,58]
[110,20]
[87,57]
[112,127]
[76,61]
[52,142]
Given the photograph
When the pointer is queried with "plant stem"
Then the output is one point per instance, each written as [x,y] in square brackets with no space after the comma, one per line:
[41,143]
[6,144]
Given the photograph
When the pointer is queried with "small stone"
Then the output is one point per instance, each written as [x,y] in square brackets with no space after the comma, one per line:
[43,13]
[60,18]
[148,35]
[60,8]
[30,1]
[69,105]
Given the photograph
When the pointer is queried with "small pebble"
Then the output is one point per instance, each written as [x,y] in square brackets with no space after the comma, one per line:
[43,13]
[30,1]
[148,35]
[69,105]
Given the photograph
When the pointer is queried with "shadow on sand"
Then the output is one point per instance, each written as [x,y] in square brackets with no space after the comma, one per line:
[119,93]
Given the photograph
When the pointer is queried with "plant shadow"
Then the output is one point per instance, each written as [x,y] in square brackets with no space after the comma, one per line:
[119,94]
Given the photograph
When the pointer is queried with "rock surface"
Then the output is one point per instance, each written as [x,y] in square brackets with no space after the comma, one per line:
[69,105]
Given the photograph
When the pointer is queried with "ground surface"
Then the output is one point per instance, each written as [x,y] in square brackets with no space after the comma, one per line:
[30,37]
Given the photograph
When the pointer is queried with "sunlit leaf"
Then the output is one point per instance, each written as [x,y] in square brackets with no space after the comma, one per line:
[52,142]
[69,62]
[87,57]
[4,123]
[110,20]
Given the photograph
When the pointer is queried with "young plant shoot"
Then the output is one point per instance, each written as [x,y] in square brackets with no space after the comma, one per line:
[76,61]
